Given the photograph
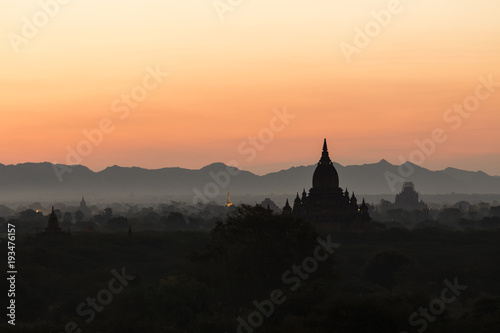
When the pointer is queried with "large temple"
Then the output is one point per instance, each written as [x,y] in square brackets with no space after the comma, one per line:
[408,198]
[327,206]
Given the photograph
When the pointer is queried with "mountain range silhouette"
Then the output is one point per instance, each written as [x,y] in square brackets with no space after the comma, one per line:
[37,181]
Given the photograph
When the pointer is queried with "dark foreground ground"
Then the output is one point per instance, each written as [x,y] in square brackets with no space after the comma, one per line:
[259,273]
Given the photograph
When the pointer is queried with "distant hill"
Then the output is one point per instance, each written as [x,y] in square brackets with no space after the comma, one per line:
[39,181]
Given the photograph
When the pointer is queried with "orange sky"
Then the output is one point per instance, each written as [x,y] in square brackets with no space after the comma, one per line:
[227,76]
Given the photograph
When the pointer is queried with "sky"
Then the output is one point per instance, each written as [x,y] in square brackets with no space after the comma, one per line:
[253,83]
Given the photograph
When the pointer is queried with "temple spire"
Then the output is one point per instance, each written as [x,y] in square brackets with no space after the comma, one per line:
[228,202]
[325,157]
[287,209]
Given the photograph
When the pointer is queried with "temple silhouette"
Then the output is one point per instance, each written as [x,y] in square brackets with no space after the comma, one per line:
[228,202]
[84,209]
[53,228]
[408,198]
[327,206]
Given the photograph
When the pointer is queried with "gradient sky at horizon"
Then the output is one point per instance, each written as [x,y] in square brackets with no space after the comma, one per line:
[226,78]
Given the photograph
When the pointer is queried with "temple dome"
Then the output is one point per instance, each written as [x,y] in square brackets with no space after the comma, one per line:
[325,175]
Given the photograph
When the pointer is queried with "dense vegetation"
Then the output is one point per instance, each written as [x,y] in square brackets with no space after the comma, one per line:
[189,281]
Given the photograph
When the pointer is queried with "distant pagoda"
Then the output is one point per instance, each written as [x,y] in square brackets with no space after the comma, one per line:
[53,228]
[87,213]
[228,202]
[407,199]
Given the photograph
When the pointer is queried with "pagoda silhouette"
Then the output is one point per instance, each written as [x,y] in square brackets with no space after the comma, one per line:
[53,228]
[327,207]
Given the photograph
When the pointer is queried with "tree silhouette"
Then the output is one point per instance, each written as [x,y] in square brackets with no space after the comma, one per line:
[252,248]
[381,267]
[450,215]
[67,217]
[58,214]
[117,223]
[30,215]
[79,216]
[108,213]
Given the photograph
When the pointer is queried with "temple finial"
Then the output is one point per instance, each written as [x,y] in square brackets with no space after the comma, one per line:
[325,158]
[228,202]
